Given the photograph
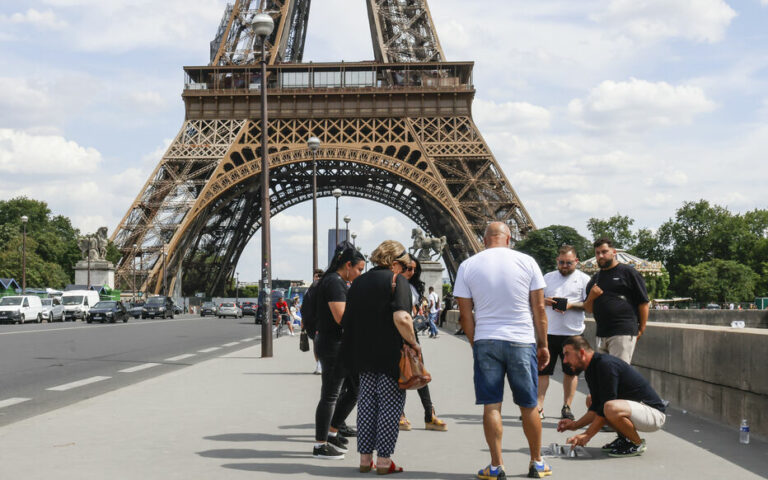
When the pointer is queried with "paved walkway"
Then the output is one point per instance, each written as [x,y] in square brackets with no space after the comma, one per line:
[238,416]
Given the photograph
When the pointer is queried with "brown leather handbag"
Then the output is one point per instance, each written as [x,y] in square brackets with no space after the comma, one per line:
[413,374]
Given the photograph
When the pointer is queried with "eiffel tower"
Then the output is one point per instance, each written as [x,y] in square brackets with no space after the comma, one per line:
[397,130]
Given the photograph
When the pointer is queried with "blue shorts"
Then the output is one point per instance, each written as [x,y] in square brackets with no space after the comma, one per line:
[496,358]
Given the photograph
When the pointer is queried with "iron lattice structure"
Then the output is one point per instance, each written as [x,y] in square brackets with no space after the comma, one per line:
[397,130]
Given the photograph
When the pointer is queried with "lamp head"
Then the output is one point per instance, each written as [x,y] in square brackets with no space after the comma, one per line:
[347,219]
[336,192]
[24,219]
[313,143]
[263,25]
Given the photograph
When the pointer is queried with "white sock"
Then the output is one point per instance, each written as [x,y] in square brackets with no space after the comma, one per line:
[320,444]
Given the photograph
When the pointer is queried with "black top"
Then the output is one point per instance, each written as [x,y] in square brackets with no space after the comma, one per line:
[371,340]
[332,288]
[616,309]
[611,378]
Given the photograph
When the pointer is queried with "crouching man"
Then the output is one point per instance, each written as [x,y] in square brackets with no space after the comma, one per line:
[621,397]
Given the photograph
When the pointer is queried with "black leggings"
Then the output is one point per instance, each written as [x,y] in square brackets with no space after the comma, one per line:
[426,399]
[338,396]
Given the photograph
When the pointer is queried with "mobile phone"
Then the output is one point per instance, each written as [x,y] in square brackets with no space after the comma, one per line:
[560,304]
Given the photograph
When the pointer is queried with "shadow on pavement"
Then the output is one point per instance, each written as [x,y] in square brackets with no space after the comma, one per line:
[258,437]
[302,426]
[243,453]
[335,472]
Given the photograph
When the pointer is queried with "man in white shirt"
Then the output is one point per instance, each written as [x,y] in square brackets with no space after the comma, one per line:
[434,310]
[565,294]
[508,334]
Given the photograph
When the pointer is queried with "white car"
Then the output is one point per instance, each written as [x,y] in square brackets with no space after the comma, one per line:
[229,309]
[20,309]
[53,310]
[77,303]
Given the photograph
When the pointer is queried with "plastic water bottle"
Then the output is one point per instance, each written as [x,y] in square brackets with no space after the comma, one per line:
[744,432]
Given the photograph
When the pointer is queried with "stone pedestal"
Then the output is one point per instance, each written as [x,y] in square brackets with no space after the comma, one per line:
[432,276]
[102,273]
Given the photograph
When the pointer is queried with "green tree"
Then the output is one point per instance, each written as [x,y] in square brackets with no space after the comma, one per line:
[56,238]
[618,228]
[113,254]
[657,285]
[647,246]
[719,281]
[39,272]
[542,245]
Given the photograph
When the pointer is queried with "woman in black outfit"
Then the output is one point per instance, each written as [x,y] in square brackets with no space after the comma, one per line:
[376,322]
[347,264]
[431,422]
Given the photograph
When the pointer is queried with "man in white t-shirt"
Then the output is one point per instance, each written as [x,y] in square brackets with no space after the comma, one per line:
[508,334]
[565,294]
[434,310]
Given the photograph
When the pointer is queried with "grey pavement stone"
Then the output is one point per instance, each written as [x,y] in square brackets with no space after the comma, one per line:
[240,416]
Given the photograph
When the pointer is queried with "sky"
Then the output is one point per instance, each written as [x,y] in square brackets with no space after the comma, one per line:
[591,108]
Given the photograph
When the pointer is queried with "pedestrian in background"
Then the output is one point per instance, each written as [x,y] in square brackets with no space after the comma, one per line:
[617,296]
[566,320]
[508,334]
[376,322]
[434,310]
[431,421]
[347,264]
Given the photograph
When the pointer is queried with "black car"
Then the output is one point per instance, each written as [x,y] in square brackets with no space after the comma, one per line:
[108,311]
[249,308]
[159,306]
[208,308]
[136,310]
[178,310]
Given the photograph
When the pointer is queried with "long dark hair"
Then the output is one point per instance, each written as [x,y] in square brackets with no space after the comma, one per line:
[345,252]
[416,279]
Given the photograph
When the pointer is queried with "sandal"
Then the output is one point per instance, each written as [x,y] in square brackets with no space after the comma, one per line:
[367,468]
[405,424]
[392,468]
[436,424]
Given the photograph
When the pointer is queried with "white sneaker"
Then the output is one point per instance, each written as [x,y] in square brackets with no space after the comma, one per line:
[292,334]
[318,369]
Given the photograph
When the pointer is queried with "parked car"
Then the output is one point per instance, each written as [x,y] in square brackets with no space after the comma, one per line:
[177,309]
[108,311]
[713,306]
[249,308]
[208,308]
[53,310]
[159,306]
[136,310]
[229,309]
[77,303]
[21,309]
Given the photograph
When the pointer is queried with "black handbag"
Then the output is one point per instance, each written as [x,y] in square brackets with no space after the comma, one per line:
[303,341]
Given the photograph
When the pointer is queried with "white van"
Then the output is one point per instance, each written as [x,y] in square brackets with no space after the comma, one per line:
[20,309]
[77,303]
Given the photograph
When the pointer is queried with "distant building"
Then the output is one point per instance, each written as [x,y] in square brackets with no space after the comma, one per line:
[332,242]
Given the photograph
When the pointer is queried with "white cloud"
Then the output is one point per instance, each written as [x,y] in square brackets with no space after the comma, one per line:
[639,105]
[44,20]
[25,154]
[510,116]
[125,25]
[292,223]
[697,20]
[387,227]
[593,204]
[149,101]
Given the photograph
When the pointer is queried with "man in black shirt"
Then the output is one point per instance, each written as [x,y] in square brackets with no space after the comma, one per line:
[617,296]
[621,397]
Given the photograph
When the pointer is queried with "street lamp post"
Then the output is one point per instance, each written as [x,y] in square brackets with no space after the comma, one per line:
[141,269]
[347,219]
[133,264]
[354,236]
[337,193]
[88,280]
[262,27]
[237,288]
[24,220]
[165,279]
[314,144]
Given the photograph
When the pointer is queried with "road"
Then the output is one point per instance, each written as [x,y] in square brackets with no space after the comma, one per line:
[47,366]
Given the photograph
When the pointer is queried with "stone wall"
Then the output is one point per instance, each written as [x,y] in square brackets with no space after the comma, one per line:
[712,371]
[751,318]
